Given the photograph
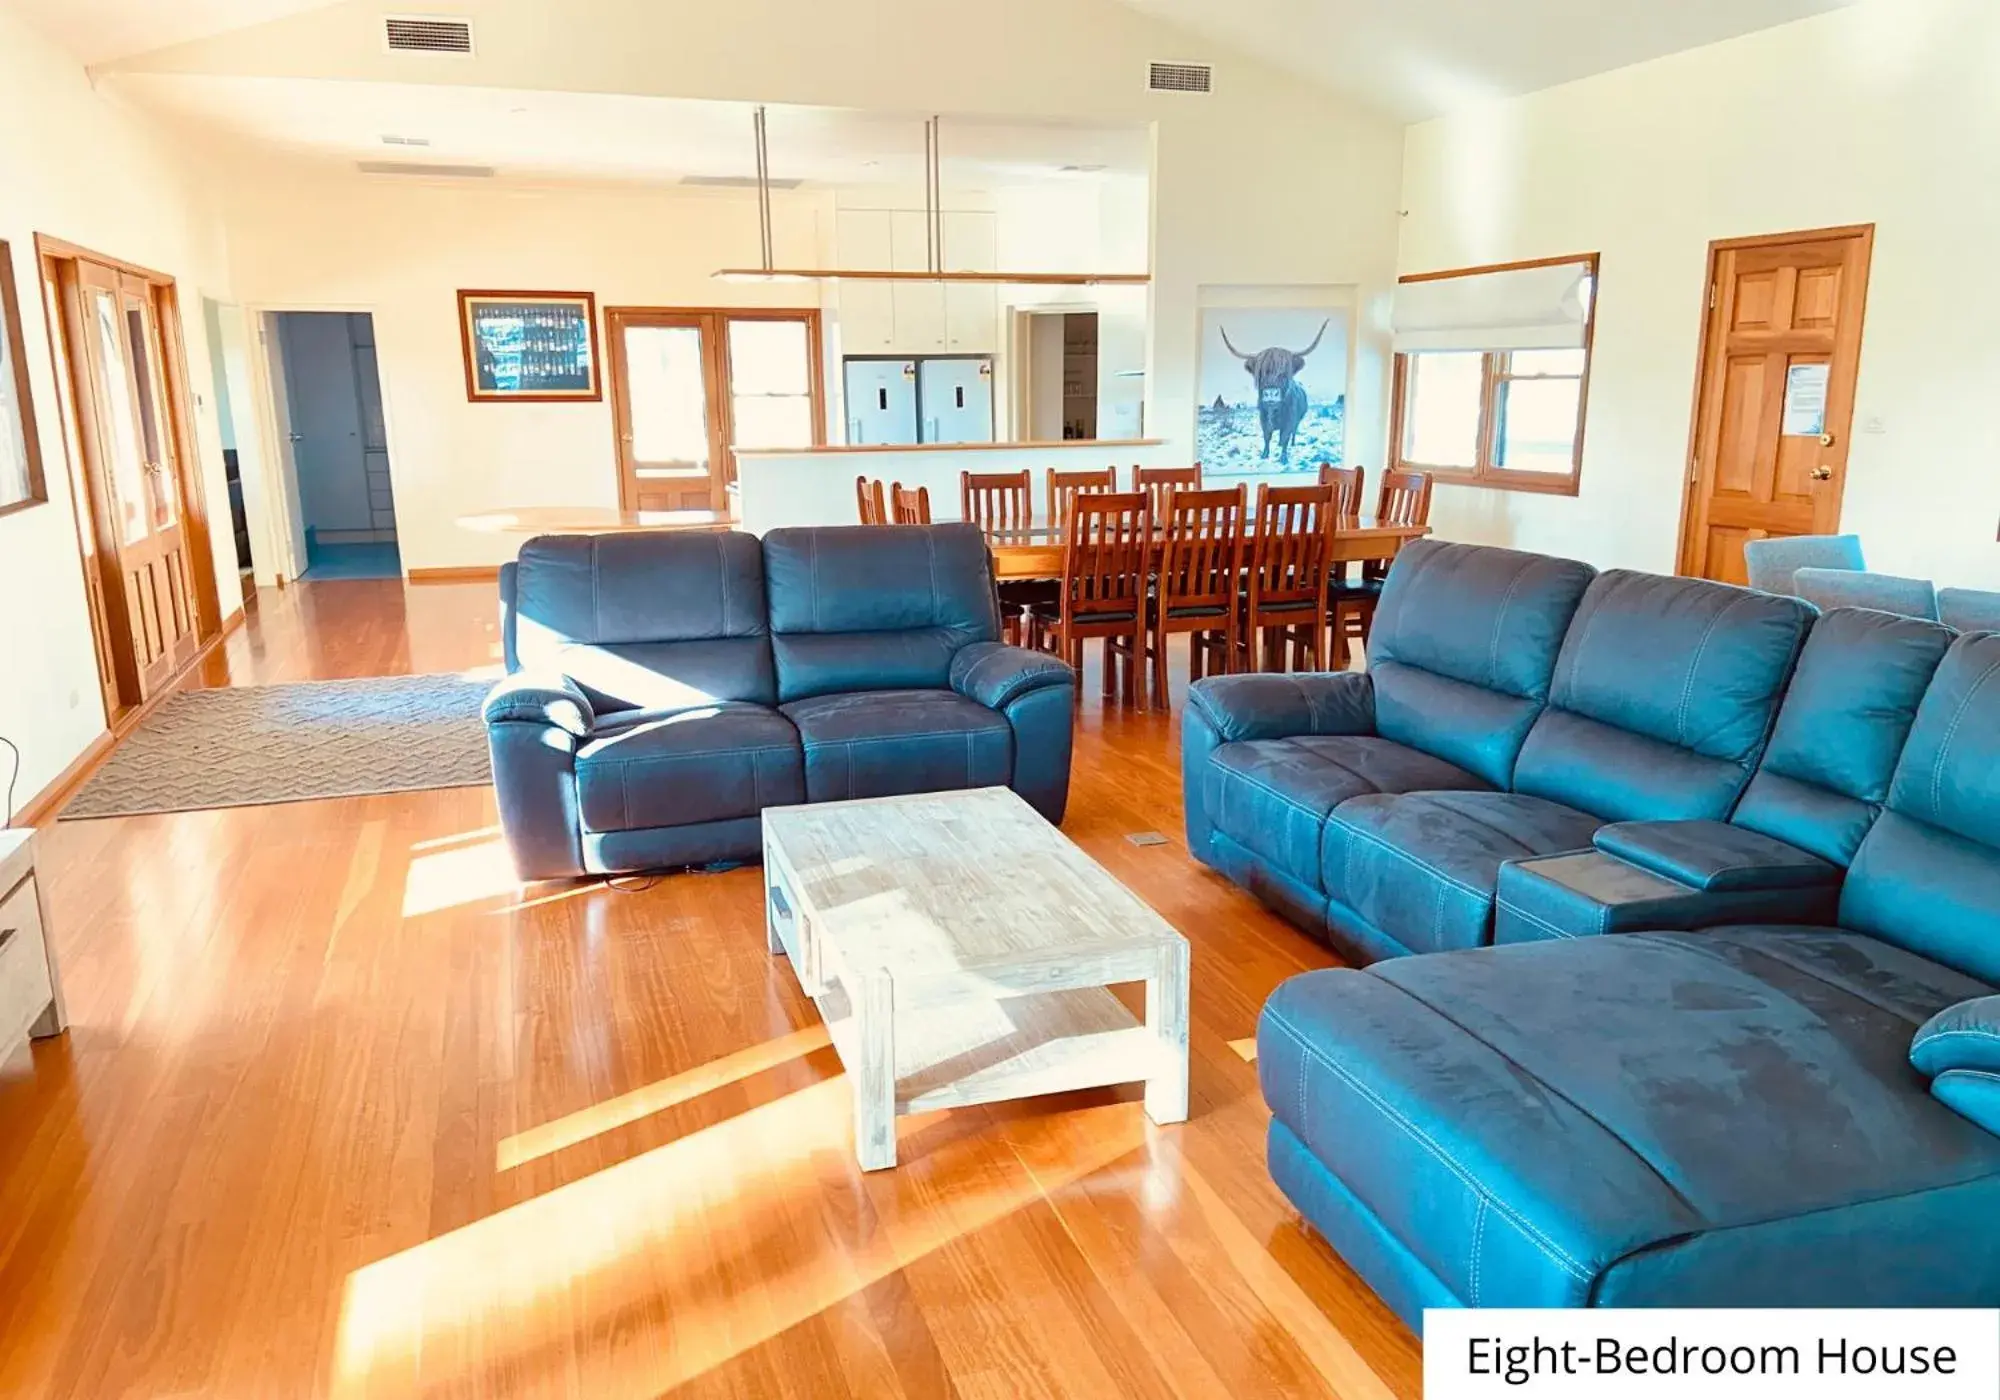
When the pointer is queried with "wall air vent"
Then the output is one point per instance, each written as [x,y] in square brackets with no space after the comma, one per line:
[427,34]
[1181,77]
[736,182]
[433,170]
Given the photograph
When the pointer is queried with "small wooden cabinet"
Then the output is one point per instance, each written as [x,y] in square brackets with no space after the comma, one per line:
[30,992]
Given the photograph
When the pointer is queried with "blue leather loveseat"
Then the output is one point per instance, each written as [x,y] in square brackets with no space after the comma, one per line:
[1740,1046]
[663,689]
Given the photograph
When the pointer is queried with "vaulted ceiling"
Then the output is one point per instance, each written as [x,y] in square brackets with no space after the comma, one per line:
[1407,58]
[1417,58]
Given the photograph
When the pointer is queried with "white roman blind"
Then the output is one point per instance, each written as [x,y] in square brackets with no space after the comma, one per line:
[1524,308]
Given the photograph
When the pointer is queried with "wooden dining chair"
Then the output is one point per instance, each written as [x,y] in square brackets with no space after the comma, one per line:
[1159,483]
[1404,499]
[1064,486]
[1200,581]
[1286,605]
[910,507]
[1003,504]
[1107,556]
[868,501]
[1349,482]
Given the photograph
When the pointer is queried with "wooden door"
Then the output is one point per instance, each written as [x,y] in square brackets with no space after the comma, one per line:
[689,387]
[122,359]
[663,402]
[1775,398]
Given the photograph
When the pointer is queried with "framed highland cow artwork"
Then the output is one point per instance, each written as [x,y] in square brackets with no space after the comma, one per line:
[1272,389]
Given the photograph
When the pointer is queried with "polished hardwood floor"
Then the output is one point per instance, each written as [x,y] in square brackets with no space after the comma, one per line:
[345,1112]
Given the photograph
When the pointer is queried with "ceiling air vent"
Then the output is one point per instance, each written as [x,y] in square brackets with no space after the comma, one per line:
[422,34]
[1181,77]
[435,171]
[736,182]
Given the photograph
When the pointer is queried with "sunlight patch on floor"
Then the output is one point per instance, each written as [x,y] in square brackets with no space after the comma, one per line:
[721,1236]
[1246,1047]
[449,878]
[641,1103]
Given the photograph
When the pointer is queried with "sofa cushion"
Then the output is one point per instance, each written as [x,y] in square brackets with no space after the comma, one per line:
[883,743]
[711,764]
[1422,867]
[650,620]
[1840,729]
[1272,796]
[1927,876]
[1662,698]
[875,608]
[1722,1118]
[1462,647]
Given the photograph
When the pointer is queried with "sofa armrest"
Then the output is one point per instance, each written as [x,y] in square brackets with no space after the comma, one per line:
[996,675]
[1715,857]
[1964,1037]
[529,697]
[1239,708]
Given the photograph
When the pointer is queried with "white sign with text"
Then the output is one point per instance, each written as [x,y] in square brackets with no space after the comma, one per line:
[1716,1354]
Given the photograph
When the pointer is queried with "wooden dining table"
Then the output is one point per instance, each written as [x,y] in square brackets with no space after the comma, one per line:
[1036,552]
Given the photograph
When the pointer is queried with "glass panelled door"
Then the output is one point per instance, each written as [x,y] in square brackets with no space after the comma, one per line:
[690,387]
[122,355]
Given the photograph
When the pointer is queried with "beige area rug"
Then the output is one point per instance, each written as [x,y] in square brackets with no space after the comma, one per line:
[246,746]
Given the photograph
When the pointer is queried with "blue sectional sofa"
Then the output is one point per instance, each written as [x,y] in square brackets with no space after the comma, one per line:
[1741,1044]
[663,689]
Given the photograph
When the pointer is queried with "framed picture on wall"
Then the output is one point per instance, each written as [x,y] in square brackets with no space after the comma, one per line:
[530,347]
[21,483]
[1272,392]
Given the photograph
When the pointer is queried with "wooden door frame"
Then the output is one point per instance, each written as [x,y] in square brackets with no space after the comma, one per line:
[1711,315]
[722,425]
[50,254]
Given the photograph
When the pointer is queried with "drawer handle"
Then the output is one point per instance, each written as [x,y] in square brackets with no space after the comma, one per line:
[777,898]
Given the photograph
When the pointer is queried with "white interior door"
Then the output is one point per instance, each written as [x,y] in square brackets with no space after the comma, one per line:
[955,399]
[881,402]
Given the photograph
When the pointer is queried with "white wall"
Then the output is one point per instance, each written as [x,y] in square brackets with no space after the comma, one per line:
[78,166]
[306,238]
[1268,181]
[1886,113]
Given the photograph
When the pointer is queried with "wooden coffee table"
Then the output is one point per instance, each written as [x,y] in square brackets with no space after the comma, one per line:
[959,948]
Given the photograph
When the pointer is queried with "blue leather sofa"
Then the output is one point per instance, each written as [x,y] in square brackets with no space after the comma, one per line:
[663,689]
[1513,706]
[1740,1116]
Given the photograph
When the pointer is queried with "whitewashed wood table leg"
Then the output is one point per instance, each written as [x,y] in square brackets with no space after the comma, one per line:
[874,1073]
[1167,1019]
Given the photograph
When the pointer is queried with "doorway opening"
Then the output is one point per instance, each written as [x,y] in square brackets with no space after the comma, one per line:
[337,444]
[142,522]
[232,435]
[1058,386]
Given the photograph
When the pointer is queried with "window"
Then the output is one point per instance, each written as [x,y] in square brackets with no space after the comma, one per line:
[1492,369]
[690,387]
[20,450]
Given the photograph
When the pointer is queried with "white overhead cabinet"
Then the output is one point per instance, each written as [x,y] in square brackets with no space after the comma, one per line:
[971,309]
[867,310]
[916,318]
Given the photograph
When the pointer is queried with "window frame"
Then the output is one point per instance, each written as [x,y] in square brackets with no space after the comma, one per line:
[1486,471]
[36,487]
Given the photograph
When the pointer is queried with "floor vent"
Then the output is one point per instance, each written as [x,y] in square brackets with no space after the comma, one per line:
[1181,77]
[435,171]
[418,34]
[1147,838]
